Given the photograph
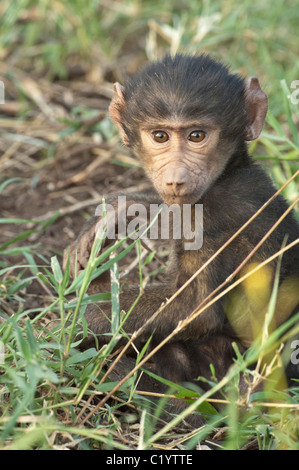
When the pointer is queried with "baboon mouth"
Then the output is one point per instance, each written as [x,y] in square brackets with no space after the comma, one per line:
[180,200]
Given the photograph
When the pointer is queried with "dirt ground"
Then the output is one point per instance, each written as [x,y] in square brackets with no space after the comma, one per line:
[63,161]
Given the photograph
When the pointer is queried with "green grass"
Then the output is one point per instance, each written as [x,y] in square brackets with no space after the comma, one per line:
[45,382]
[254,37]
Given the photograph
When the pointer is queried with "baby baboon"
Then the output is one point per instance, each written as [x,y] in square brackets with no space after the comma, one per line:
[187,118]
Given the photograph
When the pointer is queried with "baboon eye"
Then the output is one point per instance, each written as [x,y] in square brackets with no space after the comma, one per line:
[160,136]
[197,136]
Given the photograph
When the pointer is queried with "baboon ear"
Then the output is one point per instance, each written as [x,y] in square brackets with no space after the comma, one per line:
[257,105]
[116,109]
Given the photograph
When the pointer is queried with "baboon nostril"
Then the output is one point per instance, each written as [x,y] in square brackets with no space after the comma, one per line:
[175,183]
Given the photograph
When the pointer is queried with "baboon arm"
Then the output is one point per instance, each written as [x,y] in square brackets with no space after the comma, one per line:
[79,252]
[98,316]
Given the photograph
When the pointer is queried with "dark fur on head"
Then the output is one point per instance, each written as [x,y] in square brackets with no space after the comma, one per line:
[186,87]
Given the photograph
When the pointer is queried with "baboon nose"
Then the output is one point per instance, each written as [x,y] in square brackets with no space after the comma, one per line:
[178,188]
[176,181]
